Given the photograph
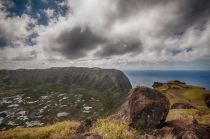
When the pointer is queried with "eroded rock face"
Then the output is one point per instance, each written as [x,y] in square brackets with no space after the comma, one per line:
[182,106]
[207,100]
[147,108]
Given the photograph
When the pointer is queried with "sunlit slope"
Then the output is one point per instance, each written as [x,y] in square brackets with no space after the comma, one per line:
[179,92]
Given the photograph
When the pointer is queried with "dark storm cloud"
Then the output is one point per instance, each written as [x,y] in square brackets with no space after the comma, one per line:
[192,12]
[189,12]
[77,42]
[120,48]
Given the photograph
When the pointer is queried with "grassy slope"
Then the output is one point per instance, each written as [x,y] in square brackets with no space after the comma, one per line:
[188,94]
[58,130]
[108,129]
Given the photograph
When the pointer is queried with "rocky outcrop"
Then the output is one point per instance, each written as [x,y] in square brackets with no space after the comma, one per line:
[207,100]
[147,108]
[157,84]
[182,106]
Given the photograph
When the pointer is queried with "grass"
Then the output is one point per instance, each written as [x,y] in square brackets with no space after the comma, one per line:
[163,87]
[110,129]
[201,114]
[173,99]
[59,130]
[195,95]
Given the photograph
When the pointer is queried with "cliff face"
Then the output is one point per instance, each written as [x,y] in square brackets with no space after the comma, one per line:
[104,80]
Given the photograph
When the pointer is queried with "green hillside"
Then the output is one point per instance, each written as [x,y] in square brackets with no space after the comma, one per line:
[107,81]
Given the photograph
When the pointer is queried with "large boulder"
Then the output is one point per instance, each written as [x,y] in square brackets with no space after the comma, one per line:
[148,108]
[182,106]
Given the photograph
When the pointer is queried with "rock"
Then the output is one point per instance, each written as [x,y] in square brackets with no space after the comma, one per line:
[189,135]
[3,114]
[87,136]
[163,132]
[148,108]
[180,123]
[122,115]
[77,137]
[207,100]
[184,127]
[157,84]
[86,124]
[92,136]
[182,106]
[146,136]
[197,131]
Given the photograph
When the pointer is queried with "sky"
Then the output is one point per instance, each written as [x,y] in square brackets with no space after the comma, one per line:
[121,34]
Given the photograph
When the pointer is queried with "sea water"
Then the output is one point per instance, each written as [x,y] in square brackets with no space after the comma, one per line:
[148,77]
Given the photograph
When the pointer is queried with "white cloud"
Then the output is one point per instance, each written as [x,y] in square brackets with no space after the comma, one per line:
[29,6]
[16,28]
[45,1]
[49,12]
[63,3]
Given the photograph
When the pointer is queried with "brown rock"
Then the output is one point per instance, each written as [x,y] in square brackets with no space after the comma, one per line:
[92,136]
[182,106]
[207,100]
[77,137]
[87,136]
[162,132]
[197,131]
[146,136]
[180,123]
[147,108]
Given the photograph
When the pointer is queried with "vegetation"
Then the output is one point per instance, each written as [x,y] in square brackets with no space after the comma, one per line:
[110,129]
[59,130]
[201,114]
[195,95]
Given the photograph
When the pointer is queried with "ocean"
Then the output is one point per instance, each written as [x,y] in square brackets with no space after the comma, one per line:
[148,77]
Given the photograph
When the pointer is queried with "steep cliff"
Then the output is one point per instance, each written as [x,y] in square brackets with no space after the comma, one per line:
[103,80]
